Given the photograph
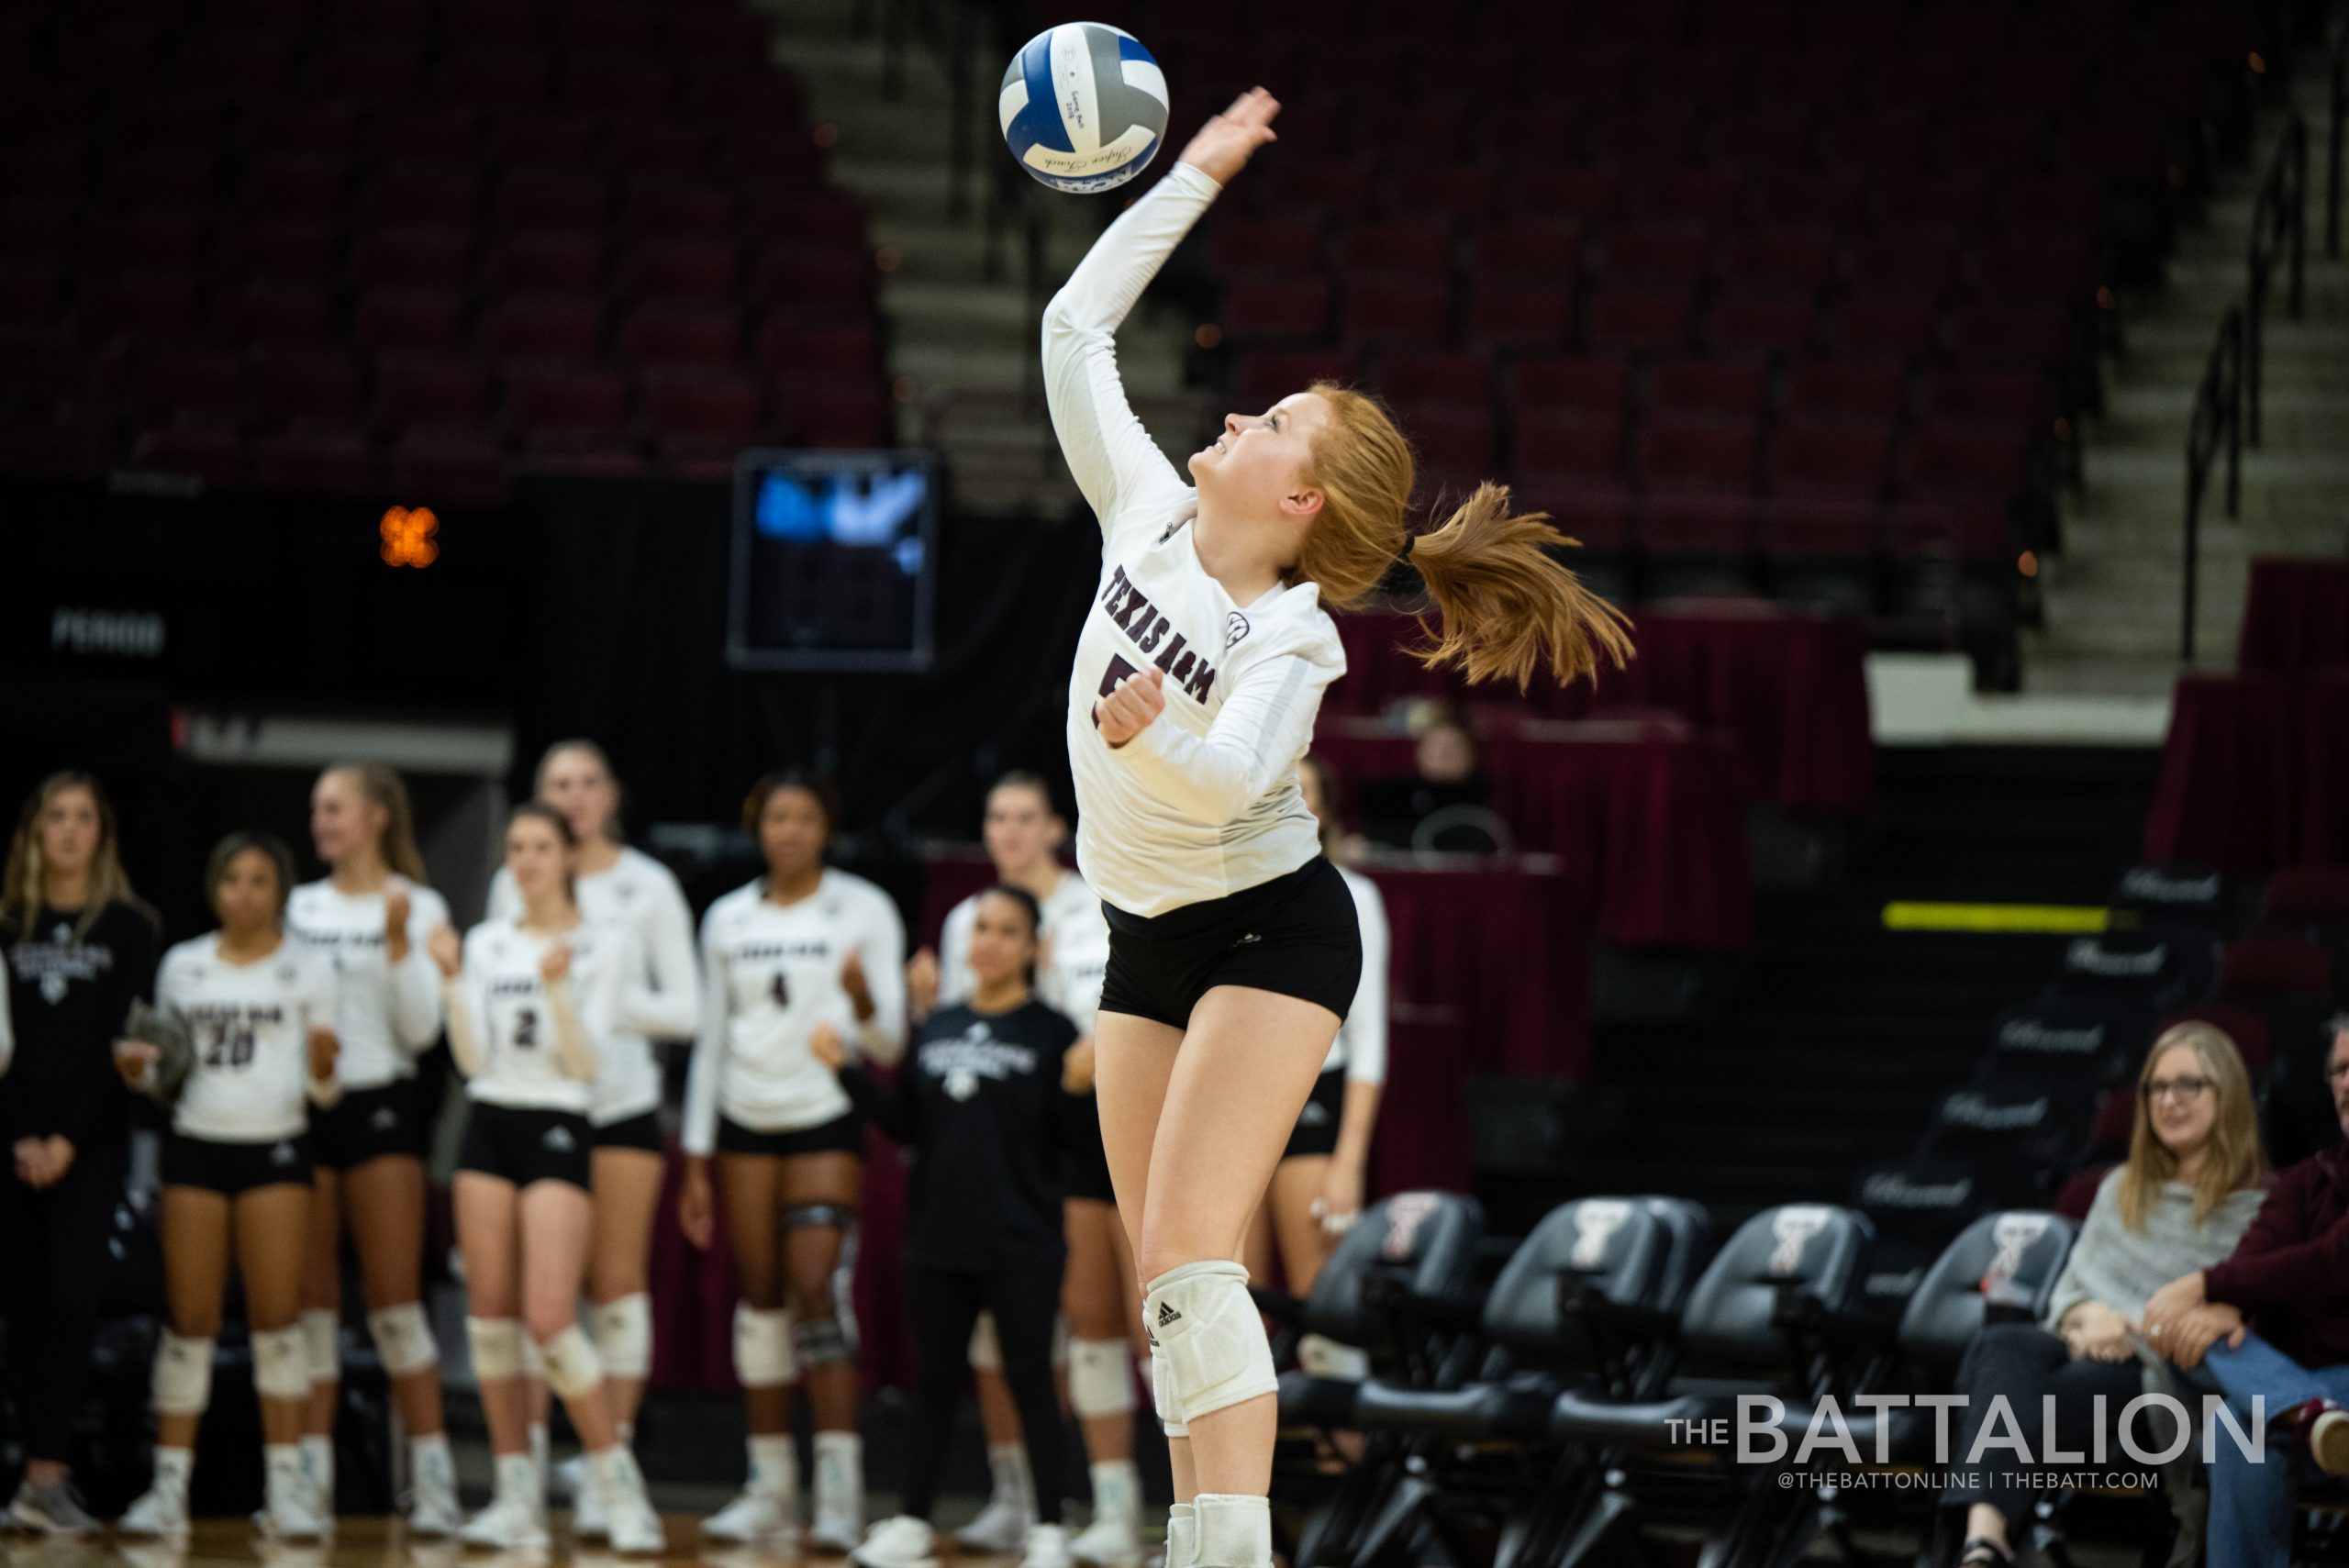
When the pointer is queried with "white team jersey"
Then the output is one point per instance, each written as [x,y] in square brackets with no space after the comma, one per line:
[661,1001]
[513,1021]
[387,1014]
[1359,1049]
[770,973]
[1077,955]
[252,1026]
[1203,802]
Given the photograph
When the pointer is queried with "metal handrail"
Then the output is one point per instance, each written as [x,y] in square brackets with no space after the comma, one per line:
[2278,221]
[2215,425]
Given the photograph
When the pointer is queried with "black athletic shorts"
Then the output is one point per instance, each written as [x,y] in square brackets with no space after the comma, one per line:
[367,1123]
[231,1169]
[637,1132]
[525,1145]
[1084,1169]
[1317,1124]
[844,1134]
[1296,935]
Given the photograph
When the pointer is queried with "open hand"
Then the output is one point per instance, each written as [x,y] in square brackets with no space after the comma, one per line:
[1223,145]
[446,951]
[922,984]
[1130,705]
[824,1045]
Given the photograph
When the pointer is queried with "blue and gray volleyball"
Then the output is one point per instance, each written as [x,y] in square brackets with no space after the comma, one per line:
[1084,107]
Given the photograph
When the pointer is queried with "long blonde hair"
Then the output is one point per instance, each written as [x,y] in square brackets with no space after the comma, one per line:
[2235,1161]
[381,783]
[21,891]
[1503,602]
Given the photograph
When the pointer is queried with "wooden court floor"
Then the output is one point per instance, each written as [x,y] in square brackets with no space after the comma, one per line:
[383,1543]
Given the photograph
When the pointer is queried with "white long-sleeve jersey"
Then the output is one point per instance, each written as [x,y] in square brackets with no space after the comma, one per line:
[1359,1049]
[509,1019]
[1203,802]
[770,973]
[250,1024]
[661,1001]
[1077,953]
[389,1013]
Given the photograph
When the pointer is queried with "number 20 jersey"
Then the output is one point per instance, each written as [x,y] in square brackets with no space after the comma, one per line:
[252,1026]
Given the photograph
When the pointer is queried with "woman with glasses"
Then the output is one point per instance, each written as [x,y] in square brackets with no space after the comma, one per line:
[2181,1200]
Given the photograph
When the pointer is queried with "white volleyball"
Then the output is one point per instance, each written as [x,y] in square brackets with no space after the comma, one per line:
[1083,106]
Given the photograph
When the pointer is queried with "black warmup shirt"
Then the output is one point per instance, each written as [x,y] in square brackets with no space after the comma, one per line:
[979,1099]
[67,1000]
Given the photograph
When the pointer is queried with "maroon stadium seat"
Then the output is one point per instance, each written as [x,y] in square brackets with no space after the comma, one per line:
[544,328]
[1397,312]
[289,387]
[694,271]
[567,409]
[402,256]
[295,187]
[664,149]
[1823,394]
[617,84]
[319,459]
[386,71]
[1653,254]
[442,463]
[423,132]
[1729,392]
[840,353]
[533,200]
[288,315]
[1882,328]
[1524,317]
[667,333]
[1675,455]
[189,379]
[547,264]
[495,78]
[408,321]
[2002,400]
[1752,321]
[1277,310]
[2010,333]
[412,391]
[1581,390]
[143,305]
[1550,251]
[699,420]
[1835,464]
[212,453]
[673,210]
[1437,378]
[1418,250]
[1784,256]
[554,139]
[818,285]
[1945,464]
[1632,319]
[296,250]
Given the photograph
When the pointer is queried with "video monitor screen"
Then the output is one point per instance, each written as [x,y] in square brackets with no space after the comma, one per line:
[835,561]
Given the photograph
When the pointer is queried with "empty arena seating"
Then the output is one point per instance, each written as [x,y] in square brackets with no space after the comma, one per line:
[1788,296]
[332,247]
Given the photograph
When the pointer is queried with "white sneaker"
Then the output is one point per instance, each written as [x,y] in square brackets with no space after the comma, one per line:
[157,1512]
[838,1524]
[587,1516]
[570,1477]
[899,1542]
[1047,1548]
[433,1509]
[1001,1528]
[53,1509]
[509,1523]
[631,1525]
[755,1515]
[1111,1540]
[292,1511]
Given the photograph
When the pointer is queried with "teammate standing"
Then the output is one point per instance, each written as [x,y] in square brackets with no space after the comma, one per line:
[260,1013]
[369,917]
[1023,836]
[530,1000]
[802,946]
[79,948]
[1317,1187]
[1235,949]
[618,885]
[983,1101]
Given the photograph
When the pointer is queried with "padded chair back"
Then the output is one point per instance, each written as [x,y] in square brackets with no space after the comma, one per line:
[1731,1321]
[2009,1261]
[1419,1245]
[2177,898]
[1629,1251]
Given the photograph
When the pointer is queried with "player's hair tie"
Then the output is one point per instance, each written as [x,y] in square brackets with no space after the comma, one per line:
[1408,541]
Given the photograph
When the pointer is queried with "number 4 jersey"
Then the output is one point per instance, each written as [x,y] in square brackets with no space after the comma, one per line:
[252,1026]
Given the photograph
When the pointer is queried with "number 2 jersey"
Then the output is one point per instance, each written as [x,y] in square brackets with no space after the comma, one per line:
[250,1024]
[1204,803]
[770,973]
[512,1018]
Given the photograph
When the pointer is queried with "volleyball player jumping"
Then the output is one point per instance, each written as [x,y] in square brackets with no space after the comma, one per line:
[1234,947]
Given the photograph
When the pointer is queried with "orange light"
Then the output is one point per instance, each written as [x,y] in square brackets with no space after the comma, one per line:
[407,537]
[2104,297]
[888,258]
[2258,63]
[1208,335]
[2027,564]
[2063,429]
[827,134]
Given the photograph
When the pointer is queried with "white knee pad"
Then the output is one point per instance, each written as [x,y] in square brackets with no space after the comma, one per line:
[496,1345]
[1100,1378]
[572,1365]
[624,1336]
[762,1356]
[280,1364]
[1162,1395]
[987,1350]
[183,1375]
[322,1344]
[533,1365]
[1324,1357]
[1204,1323]
[402,1337]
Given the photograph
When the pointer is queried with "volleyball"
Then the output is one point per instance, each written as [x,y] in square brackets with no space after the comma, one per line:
[1083,106]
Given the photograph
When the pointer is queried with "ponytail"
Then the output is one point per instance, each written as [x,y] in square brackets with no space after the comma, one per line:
[1502,601]
[381,785]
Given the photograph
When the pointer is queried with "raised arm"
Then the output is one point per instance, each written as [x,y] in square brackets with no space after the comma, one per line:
[1109,454]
